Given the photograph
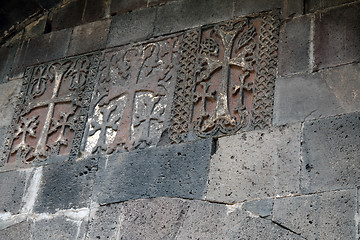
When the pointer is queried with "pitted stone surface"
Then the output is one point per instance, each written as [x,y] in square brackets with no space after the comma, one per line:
[67,185]
[310,96]
[319,216]
[331,154]
[20,231]
[263,207]
[7,54]
[175,171]
[245,7]
[255,164]
[8,99]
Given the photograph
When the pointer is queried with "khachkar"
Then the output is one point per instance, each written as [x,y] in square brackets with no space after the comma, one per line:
[226,78]
[52,110]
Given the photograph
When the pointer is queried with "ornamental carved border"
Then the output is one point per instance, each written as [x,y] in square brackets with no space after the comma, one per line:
[226,78]
[51,112]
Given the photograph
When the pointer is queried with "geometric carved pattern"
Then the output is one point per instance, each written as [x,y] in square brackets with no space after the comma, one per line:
[131,103]
[52,110]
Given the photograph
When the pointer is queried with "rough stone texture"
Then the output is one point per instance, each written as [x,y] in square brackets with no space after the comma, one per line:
[134,26]
[8,99]
[337,36]
[315,5]
[331,154]
[175,171]
[245,7]
[291,8]
[180,15]
[310,96]
[153,3]
[65,186]
[12,188]
[294,46]
[255,164]
[155,218]
[319,216]
[89,37]
[123,6]
[263,207]
[95,10]
[58,228]
[104,222]
[7,55]
[19,231]
[214,221]
[36,28]
[69,15]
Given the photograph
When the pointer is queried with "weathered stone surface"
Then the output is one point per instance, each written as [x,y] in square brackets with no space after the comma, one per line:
[124,6]
[67,185]
[36,28]
[245,7]
[255,164]
[331,154]
[7,55]
[263,207]
[19,231]
[89,37]
[130,27]
[175,171]
[8,99]
[291,8]
[294,46]
[95,10]
[320,216]
[104,222]
[152,3]
[217,221]
[180,15]
[310,96]
[58,228]
[69,15]
[12,188]
[315,5]
[153,219]
[337,36]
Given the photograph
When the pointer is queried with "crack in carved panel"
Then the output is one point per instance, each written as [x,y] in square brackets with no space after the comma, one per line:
[52,110]
[130,104]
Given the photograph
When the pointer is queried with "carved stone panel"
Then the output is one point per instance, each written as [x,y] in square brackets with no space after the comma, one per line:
[131,104]
[226,78]
[52,110]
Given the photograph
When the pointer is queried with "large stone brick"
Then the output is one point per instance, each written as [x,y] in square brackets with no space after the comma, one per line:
[175,171]
[95,10]
[89,37]
[69,15]
[124,6]
[320,216]
[337,36]
[21,231]
[331,154]
[255,164]
[245,7]
[130,27]
[7,55]
[8,99]
[65,186]
[294,46]
[181,15]
[291,8]
[315,5]
[310,96]
[36,28]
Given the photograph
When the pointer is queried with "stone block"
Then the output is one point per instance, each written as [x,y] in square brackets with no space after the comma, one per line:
[36,28]
[69,15]
[294,46]
[206,220]
[95,10]
[292,8]
[7,55]
[331,154]
[131,27]
[48,4]
[175,171]
[89,37]
[181,15]
[65,186]
[310,96]
[13,187]
[336,40]
[153,3]
[266,163]
[315,5]
[21,231]
[58,228]
[8,99]
[246,7]
[124,6]
[263,207]
[158,218]
[327,215]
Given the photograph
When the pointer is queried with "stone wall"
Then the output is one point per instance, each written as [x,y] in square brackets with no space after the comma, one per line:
[206,119]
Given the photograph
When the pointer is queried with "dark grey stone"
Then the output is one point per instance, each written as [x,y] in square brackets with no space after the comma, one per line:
[315,5]
[89,37]
[123,6]
[245,7]
[7,55]
[130,27]
[12,189]
[331,154]
[181,15]
[19,231]
[68,15]
[175,171]
[36,28]
[319,216]
[95,10]
[263,207]
[292,8]
[67,185]
[337,36]
[294,46]
[310,96]
[8,100]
